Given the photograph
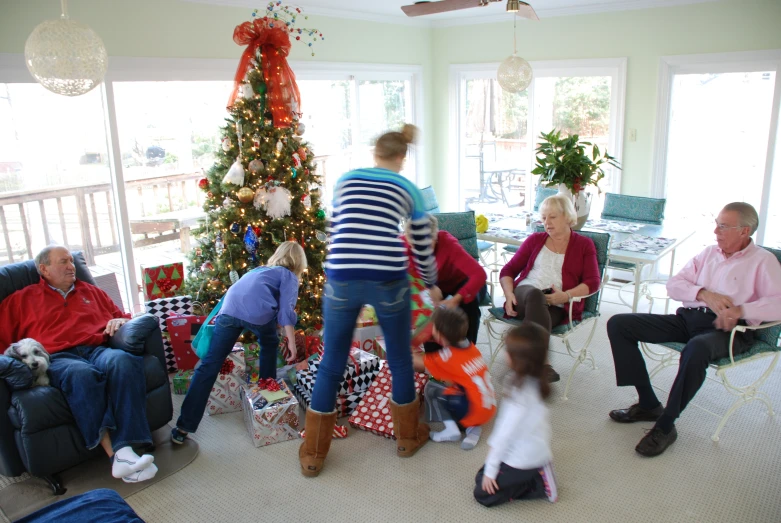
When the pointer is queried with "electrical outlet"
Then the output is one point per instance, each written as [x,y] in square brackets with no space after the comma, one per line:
[632,135]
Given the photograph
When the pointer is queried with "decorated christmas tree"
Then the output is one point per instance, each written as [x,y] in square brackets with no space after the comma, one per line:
[263,189]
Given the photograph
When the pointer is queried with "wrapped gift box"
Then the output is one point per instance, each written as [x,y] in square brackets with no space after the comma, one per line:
[359,362]
[422,308]
[182,380]
[182,331]
[225,394]
[269,422]
[365,338]
[284,350]
[350,392]
[162,281]
[367,317]
[251,355]
[379,348]
[373,412]
[163,309]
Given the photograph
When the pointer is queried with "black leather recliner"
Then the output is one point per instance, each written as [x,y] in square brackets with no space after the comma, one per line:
[37,431]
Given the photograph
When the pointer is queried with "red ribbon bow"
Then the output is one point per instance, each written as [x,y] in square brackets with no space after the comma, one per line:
[165,284]
[227,366]
[269,384]
[274,43]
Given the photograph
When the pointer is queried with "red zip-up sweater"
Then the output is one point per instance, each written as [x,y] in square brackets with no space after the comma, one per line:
[580,266]
[454,267]
[39,312]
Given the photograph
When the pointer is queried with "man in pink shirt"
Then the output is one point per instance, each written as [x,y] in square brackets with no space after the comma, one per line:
[733,282]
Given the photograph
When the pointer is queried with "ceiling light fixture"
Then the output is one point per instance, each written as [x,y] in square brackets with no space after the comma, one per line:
[512,6]
[514,74]
[66,56]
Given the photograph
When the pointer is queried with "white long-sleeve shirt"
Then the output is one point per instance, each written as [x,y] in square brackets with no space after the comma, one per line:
[521,436]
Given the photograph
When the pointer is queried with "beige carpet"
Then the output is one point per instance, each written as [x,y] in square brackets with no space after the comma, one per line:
[601,478]
[20,498]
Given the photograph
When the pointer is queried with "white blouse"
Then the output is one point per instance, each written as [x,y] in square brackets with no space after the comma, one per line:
[546,271]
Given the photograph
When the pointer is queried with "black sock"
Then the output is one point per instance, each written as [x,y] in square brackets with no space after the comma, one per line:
[665,423]
[648,399]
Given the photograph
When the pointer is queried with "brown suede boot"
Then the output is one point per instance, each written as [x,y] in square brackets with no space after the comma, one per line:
[410,433]
[319,432]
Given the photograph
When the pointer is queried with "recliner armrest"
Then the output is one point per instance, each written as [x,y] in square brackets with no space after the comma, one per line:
[10,461]
[132,336]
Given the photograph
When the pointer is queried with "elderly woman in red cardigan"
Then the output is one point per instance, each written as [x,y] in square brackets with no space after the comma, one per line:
[550,268]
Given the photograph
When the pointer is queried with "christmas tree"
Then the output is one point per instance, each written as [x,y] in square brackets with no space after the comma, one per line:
[262,189]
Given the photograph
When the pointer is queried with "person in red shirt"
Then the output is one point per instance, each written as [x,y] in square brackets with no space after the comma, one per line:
[460,278]
[105,388]
[464,394]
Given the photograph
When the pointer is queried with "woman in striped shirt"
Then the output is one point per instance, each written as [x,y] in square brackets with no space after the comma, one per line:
[367,264]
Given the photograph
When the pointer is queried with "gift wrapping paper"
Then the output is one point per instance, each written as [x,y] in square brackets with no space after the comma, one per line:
[269,423]
[365,338]
[182,380]
[162,309]
[347,399]
[359,362]
[162,281]
[373,413]
[225,394]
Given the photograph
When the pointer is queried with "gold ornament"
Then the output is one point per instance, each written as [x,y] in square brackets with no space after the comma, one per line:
[245,195]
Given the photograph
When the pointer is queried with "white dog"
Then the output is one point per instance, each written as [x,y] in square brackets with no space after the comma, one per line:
[32,354]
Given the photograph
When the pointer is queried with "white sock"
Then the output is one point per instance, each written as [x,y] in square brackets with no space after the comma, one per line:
[472,437]
[451,432]
[126,462]
[141,475]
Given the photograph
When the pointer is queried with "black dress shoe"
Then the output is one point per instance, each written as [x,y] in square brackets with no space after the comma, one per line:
[551,374]
[636,413]
[656,442]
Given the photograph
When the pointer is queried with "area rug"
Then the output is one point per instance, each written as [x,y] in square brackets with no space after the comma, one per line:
[22,498]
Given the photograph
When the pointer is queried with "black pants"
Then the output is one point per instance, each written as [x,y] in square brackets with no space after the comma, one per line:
[472,310]
[694,327]
[513,484]
[533,306]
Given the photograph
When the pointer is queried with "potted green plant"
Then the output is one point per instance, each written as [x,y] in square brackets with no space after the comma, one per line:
[563,162]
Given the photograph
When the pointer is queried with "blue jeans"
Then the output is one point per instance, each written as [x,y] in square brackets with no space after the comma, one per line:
[227,330]
[106,391]
[102,505]
[341,305]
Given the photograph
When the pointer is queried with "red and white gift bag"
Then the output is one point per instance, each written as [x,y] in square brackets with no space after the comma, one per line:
[373,413]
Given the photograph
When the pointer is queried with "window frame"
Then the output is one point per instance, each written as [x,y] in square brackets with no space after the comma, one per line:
[615,68]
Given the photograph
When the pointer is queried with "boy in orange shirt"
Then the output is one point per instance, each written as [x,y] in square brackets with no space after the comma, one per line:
[467,399]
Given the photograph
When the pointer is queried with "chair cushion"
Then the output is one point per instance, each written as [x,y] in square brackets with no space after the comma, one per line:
[625,266]
[637,209]
[512,249]
[39,408]
[15,373]
[154,372]
[483,246]
[131,337]
[758,347]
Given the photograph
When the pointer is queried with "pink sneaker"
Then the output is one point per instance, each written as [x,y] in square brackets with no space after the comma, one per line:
[549,480]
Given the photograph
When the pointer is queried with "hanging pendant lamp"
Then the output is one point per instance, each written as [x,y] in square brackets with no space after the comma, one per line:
[514,74]
[66,56]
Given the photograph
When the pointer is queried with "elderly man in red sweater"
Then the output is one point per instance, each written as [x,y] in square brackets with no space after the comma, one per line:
[104,388]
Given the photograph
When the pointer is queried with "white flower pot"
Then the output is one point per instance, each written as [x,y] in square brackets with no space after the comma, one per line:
[582,203]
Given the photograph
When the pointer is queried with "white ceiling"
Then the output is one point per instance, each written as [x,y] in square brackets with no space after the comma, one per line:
[390,10]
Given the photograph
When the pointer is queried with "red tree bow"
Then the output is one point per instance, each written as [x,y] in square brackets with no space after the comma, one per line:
[270,36]
[269,384]
[165,284]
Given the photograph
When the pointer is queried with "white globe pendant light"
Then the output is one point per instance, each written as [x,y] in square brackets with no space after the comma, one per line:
[514,74]
[66,56]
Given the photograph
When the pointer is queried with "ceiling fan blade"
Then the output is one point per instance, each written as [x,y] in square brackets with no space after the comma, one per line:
[442,6]
[527,11]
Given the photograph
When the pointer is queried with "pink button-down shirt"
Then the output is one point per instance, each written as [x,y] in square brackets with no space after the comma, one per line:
[751,278]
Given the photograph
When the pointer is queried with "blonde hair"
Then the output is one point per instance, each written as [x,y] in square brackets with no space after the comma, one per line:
[563,205]
[291,256]
[394,144]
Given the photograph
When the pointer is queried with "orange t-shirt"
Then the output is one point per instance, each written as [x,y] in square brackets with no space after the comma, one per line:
[466,367]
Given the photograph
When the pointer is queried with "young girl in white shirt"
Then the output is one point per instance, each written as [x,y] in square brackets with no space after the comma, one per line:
[518,465]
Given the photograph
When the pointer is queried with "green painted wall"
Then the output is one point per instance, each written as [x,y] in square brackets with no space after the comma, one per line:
[170,28]
[642,36]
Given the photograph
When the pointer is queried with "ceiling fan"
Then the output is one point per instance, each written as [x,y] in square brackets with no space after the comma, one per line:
[522,9]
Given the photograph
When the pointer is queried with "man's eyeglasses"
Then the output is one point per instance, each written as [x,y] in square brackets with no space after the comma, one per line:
[722,227]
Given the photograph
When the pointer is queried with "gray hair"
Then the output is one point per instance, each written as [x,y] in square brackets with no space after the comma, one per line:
[563,205]
[433,223]
[747,215]
[44,258]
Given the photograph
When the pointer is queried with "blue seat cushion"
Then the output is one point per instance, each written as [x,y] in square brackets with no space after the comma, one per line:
[558,330]
[512,249]
[758,347]
[624,266]
[483,246]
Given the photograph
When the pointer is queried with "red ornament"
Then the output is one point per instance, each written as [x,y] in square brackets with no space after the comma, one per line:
[302,153]
[298,38]
[256,229]
[203,183]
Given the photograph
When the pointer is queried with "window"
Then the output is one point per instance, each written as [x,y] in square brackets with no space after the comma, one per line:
[718,117]
[346,111]
[497,131]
